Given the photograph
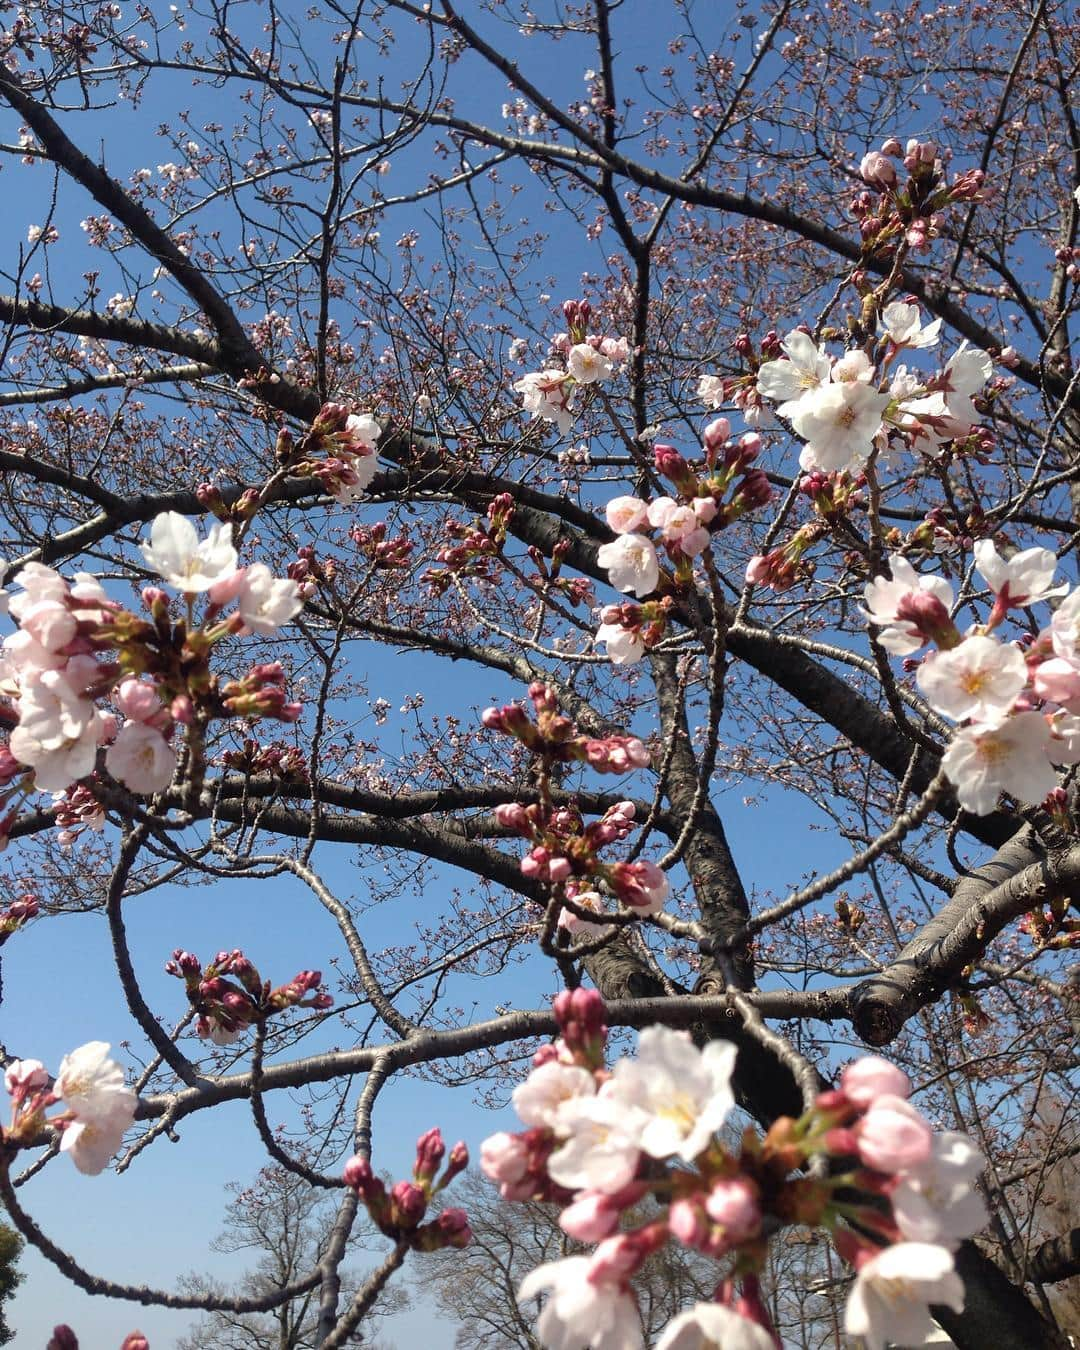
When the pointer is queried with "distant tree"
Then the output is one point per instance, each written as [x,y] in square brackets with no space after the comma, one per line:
[286,1224]
[10,1279]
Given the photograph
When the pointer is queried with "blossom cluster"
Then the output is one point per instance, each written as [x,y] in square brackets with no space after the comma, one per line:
[338,450]
[399,1212]
[98,1105]
[564,849]
[708,496]
[896,1196]
[228,1006]
[78,663]
[549,394]
[1018,705]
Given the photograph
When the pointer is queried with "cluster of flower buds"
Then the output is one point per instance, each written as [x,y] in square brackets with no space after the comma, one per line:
[260,693]
[281,761]
[834,496]
[230,995]
[910,209]
[98,1105]
[784,566]
[18,913]
[338,450]
[576,590]
[63,1338]
[479,543]
[372,543]
[243,506]
[549,394]
[555,739]
[399,1211]
[76,809]
[1051,927]
[898,1198]
[630,630]
[308,572]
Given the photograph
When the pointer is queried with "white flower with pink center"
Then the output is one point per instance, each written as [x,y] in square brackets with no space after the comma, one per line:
[631,563]
[1023,579]
[980,678]
[890,1300]
[984,761]
[185,561]
[548,395]
[709,1325]
[587,365]
[92,1087]
[684,1093]
[582,1312]
[885,595]
[838,422]
[624,645]
[803,369]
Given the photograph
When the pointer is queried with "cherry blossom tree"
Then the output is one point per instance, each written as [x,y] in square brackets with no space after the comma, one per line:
[659,412]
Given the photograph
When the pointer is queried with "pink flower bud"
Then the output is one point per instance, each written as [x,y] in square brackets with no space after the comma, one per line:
[877,169]
[430,1151]
[716,434]
[871,1077]
[504,1157]
[733,1204]
[63,1338]
[687,1221]
[136,699]
[893,1136]
[135,1340]
[407,1204]
[590,1218]
[892,147]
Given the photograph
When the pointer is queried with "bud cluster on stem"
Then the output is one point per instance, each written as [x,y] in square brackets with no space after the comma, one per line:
[230,995]
[399,1212]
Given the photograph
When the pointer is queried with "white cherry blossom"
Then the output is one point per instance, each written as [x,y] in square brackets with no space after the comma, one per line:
[685,1093]
[803,369]
[984,761]
[708,1325]
[185,561]
[710,390]
[1023,579]
[92,1087]
[266,602]
[587,365]
[581,1312]
[624,645]
[903,323]
[548,394]
[602,1136]
[1064,626]
[141,758]
[626,515]
[890,1300]
[980,678]
[538,1099]
[838,422]
[631,563]
[883,595]
[936,1201]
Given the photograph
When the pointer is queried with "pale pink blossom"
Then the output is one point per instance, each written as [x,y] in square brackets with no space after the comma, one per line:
[24,1076]
[136,699]
[870,1077]
[266,602]
[92,1087]
[1023,579]
[980,678]
[141,759]
[877,169]
[707,1326]
[49,622]
[893,1135]
[504,1158]
[854,367]
[585,928]
[710,391]
[838,422]
[1065,626]
[581,1312]
[591,1217]
[803,370]
[1065,738]
[679,524]
[362,433]
[626,515]
[91,1143]
[685,1093]
[903,324]
[1058,681]
[624,645]
[185,561]
[884,597]
[889,1302]
[587,365]
[631,564]
[984,761]
[733,1205]
[936,1201]
[55,769]
[601,1150]
[616,349]
[538,1099]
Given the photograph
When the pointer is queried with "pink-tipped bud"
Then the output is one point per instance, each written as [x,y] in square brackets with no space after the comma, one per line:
[135,1340]
[716,434]
[733,1205]
[407,1205]
[688,1223]
[871,1077]
[63,1338]
[878,170]
[430,1151]
[892,147]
